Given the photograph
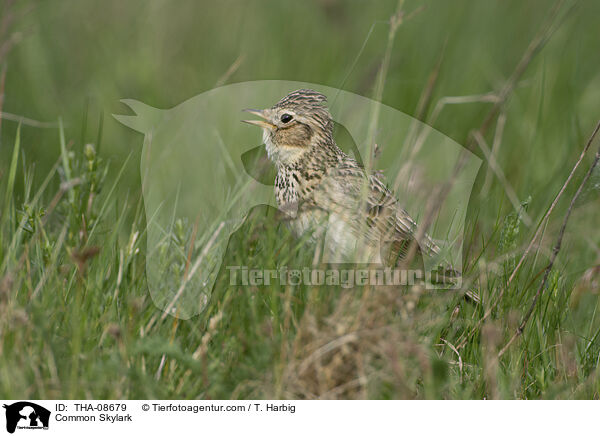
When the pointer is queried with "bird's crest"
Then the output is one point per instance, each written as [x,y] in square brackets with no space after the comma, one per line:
[303,99]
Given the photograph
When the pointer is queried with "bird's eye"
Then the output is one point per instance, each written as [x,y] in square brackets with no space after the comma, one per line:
[286,118]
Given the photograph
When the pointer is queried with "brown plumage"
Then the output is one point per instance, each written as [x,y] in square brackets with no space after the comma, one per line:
[328,193]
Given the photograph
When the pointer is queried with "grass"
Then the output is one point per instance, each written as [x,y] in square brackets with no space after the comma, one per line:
[76,317]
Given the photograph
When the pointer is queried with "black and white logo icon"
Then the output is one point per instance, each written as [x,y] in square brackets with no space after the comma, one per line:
[26,415]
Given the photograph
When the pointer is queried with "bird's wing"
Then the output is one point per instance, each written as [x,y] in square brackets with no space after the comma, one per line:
[368,206]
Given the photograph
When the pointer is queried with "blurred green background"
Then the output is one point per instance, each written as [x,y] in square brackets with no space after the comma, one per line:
[77,54]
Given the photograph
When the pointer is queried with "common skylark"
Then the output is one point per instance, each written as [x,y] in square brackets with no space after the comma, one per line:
[329,194]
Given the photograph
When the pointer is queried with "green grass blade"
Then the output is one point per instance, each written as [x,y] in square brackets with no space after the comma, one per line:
[65,158]
[12,173]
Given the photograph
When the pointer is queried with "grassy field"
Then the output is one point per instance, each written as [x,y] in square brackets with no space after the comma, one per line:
[76,317]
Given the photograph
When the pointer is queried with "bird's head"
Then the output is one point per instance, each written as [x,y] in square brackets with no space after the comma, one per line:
[295,125]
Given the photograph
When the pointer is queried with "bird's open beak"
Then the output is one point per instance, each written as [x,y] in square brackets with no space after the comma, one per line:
[259,123]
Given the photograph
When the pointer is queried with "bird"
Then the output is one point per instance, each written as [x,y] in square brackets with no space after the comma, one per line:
[327,195]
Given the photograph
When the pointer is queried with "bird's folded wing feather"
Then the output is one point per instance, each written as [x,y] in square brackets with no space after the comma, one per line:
[367,205]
